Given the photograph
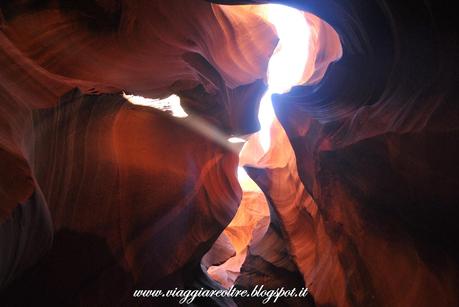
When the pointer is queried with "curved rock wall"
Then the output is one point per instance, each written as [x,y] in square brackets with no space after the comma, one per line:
[73,148]
[364,189]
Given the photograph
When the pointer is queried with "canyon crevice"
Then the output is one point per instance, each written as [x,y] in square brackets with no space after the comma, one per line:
[355,199]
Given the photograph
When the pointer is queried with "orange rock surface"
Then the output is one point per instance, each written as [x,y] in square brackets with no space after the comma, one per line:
[359,188]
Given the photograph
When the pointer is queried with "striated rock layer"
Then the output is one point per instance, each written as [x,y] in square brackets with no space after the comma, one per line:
[99,197]
[105,225]
[115,177]
[375,145]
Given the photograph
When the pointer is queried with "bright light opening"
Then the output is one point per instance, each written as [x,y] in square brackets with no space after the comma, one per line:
[287,64]
[236,140]
[170,104]
[286,69]
[265,117]
[245,181]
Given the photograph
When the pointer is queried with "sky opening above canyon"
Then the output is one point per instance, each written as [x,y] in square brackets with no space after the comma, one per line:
[287,64]
[285,70]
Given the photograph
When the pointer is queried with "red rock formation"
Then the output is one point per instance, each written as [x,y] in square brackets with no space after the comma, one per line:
[247,228]
[361,178]
[76,153]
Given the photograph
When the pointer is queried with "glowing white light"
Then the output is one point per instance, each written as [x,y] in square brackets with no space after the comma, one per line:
[287,64]
[245,181]
[236,140]
[265,117]
[241,173]
[171,103]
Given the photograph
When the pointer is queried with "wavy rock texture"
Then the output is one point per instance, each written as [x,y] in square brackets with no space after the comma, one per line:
[361,179]
[25,236]
[110,234]
[270,264]
[375,174]
[369,143]
[247,228]
[221,251]
[301,225]
[97,147]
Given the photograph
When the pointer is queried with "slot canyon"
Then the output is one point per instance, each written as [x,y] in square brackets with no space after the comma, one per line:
[216,144]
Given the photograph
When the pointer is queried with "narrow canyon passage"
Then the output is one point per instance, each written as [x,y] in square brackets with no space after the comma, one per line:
[150,146]
[286,68]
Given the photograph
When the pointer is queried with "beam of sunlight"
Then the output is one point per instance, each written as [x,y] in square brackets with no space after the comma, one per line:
[194,122]
[171,104]
[287,64]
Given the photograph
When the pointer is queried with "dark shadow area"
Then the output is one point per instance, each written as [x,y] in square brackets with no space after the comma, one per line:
[79,270]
